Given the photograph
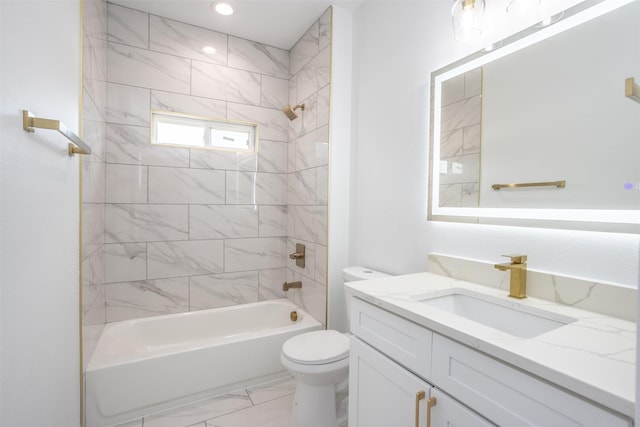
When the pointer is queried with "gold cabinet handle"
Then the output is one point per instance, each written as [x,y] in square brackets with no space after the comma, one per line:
[431,402]
[419,396]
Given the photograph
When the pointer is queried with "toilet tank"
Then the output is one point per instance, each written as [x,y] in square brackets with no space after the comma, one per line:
[354,274]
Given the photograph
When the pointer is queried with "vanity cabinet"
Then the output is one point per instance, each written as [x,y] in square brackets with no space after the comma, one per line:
[392,360]
[384,394]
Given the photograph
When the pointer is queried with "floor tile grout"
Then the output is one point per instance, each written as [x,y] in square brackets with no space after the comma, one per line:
[256,389]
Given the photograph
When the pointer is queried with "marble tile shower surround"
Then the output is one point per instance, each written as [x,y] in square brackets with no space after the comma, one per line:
[307,166]
[606,298]
[94,106]
[460,139]
[190,229]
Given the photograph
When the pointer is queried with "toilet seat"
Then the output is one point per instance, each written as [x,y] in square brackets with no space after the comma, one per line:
[316,348]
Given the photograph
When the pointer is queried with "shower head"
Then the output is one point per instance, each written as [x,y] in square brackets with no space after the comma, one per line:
[291,111]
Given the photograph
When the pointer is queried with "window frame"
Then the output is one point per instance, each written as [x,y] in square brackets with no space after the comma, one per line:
[209,123]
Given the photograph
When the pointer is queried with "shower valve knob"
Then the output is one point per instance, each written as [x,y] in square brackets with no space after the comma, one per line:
[298,255]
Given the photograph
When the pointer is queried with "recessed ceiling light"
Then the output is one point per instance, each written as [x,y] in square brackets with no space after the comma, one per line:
[209,49]
[223,8]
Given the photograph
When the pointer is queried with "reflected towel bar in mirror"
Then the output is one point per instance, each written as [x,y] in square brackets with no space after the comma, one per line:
[77,145]
[559,184]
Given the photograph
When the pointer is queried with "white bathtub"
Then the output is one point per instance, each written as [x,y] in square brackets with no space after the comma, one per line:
[145,365]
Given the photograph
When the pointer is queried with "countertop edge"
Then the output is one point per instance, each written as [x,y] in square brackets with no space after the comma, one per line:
[599,396]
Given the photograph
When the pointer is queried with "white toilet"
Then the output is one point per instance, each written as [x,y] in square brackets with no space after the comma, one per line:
[319,361]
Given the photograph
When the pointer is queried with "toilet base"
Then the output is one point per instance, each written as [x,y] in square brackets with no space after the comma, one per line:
[342,411]
[319,415]
[314,406]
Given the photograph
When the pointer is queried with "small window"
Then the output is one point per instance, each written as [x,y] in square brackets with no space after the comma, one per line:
[201,132]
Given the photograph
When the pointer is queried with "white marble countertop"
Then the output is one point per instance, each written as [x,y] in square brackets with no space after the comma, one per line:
[593,357]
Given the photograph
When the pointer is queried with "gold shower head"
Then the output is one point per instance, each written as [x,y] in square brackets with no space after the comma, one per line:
[291,111]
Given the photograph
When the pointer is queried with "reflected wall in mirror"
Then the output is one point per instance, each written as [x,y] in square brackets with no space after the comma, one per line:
[548,106]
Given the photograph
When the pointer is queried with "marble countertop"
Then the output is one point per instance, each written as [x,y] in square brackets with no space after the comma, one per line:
[593,357]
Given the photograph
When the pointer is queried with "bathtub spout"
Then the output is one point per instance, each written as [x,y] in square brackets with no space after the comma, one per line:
[286,286]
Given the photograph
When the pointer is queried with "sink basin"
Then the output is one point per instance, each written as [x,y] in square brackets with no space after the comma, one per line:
[506,316]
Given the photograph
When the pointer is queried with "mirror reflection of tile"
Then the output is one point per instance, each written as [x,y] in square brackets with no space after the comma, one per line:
[460,140]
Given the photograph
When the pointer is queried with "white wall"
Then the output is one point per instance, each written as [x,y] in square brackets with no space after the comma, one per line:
[40,371]
[1,140]
[339,170]
[638,353]
[395,50]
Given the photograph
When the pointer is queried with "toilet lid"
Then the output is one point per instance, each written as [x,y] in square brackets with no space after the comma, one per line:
[317,347]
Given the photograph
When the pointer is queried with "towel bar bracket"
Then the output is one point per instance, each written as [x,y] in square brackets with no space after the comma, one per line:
[76,146]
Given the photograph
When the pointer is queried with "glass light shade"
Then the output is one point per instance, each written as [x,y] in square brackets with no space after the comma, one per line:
[467,16]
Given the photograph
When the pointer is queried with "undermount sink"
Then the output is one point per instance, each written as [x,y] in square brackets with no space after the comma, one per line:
[506,316]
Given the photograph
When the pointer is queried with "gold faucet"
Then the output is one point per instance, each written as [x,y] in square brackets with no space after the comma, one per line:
[288,285]
[518,281]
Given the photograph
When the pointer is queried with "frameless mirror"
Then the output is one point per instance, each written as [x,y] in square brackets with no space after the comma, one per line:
[540,131]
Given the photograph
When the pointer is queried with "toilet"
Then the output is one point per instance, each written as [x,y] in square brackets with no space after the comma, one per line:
[319,361]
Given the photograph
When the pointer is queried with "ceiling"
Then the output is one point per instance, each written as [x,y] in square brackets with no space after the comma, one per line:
[278,23]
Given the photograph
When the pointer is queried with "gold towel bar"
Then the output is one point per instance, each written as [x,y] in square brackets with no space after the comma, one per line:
[559,184]
[30,123]
[631,89]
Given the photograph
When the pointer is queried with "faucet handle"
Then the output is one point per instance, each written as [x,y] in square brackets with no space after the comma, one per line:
[517,258]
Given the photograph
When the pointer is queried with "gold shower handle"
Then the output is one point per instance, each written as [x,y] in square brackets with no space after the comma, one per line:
[419,396]
[299,255]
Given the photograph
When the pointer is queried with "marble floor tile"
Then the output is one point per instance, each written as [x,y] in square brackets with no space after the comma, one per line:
[275,413]
[273,390]
[199,411]
[263,405]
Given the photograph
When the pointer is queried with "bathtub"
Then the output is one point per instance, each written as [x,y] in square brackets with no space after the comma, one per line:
[146,365]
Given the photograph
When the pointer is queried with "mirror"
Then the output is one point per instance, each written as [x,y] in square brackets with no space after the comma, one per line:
[539,131]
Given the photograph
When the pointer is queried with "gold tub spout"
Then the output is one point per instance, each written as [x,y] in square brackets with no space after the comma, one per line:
[518,281]
[296,285]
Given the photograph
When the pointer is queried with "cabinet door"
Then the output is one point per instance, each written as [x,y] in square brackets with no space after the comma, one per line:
[509,396]
[384,394]
[449,412]
[381,392]
[403,341]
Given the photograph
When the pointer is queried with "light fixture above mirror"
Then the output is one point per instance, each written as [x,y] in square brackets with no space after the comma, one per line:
[467,17]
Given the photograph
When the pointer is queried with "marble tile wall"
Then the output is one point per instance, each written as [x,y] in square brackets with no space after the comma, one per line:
[307,167]
[94,105]
[190,229]
[460,140]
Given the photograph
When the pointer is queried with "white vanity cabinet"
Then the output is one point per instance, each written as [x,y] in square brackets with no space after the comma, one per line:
[384,394]
[392,360]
